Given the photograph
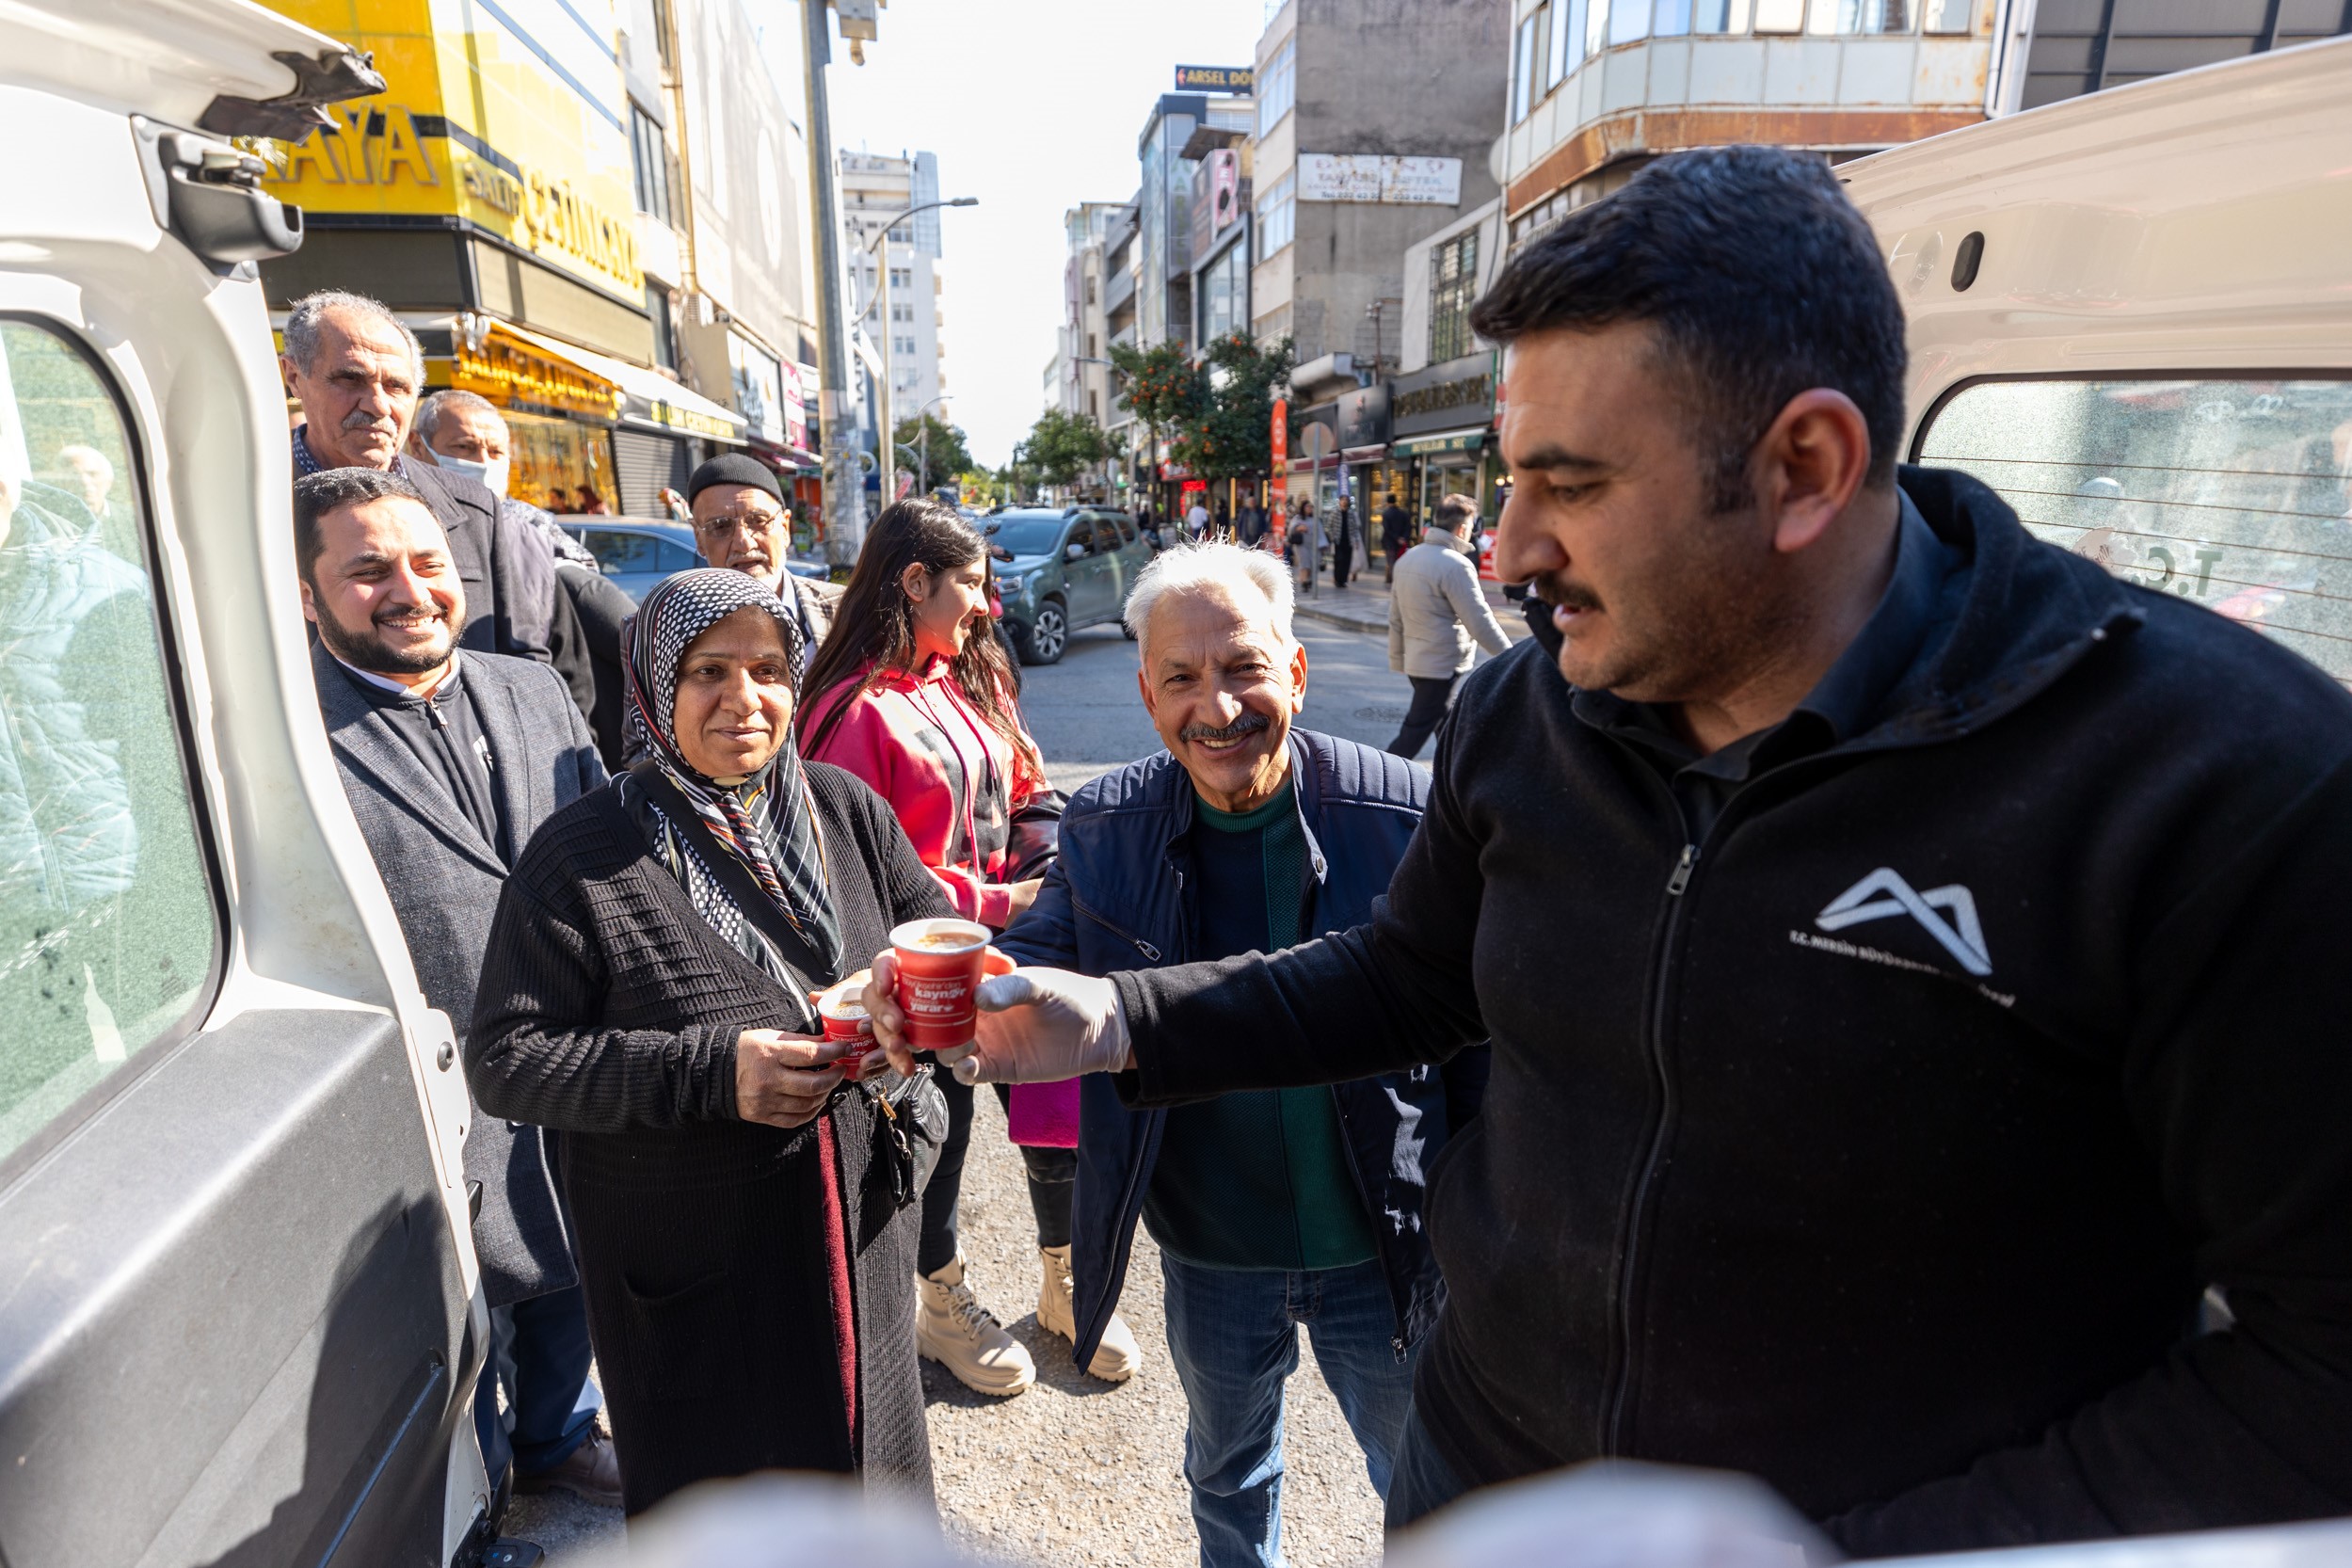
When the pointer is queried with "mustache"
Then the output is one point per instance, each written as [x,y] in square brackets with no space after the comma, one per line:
[362,419]
[1564,592]
[1248,724]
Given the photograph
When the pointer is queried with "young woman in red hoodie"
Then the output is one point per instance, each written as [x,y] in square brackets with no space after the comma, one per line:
[913,693]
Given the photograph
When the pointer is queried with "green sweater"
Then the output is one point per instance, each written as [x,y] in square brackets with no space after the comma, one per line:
[1260,1179]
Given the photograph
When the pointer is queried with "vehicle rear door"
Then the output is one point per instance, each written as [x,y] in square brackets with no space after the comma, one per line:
[1085,574]
[242,1320]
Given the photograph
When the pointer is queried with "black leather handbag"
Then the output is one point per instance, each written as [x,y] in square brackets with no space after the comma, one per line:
[1036,837]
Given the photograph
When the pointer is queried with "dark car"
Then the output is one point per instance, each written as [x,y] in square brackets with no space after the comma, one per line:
[636,555]
[1061,570]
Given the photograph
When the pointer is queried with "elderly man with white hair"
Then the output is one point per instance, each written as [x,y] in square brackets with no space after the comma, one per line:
[1273,1208]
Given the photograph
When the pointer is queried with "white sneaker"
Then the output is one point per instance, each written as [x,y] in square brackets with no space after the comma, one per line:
[1118,1357]
[954,1330]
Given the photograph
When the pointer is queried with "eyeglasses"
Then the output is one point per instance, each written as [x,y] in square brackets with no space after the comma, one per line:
[754,523]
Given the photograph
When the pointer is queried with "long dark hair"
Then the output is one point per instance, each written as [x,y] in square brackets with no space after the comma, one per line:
[873,629]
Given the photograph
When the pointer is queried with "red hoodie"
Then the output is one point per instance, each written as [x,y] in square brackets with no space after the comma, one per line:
[952,780]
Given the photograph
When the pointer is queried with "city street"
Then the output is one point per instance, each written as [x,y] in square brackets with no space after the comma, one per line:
[1077,1471]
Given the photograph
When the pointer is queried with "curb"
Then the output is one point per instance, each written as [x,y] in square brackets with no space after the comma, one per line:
[1343,619]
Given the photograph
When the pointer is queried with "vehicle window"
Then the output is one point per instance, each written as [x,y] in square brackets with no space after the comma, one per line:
[1127,533]
[1032,535]
[1081,534]
[108,931]
[674,557]
[2228,492]
[618,550]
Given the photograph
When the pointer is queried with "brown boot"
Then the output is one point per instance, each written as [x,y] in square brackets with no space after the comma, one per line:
[590,1472]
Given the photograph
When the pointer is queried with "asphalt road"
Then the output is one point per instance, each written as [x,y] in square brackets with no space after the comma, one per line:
[1077,1471]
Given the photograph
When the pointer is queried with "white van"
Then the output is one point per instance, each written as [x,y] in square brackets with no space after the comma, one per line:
[239,1317]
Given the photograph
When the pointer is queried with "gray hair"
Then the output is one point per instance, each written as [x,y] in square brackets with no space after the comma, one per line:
[428,420]
[67,455]
[1210,566]
[310,314]
[1455,510]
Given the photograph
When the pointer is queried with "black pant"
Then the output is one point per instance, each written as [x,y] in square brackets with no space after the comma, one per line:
[1052,1181]
[1429,707]
[1342,558]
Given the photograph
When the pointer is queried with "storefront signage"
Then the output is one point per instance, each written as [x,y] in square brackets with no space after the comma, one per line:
[489,363]
[1445,396]
[1215,78]
[1363,421]
[516,130]
[1430,446]
[1379,177]
[686,422]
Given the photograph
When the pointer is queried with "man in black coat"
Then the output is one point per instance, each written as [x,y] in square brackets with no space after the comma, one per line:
[356,369]
[1908,951]
[1396,535]
[451,761]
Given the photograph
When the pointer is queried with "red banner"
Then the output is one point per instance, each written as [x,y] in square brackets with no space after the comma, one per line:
[1278,472]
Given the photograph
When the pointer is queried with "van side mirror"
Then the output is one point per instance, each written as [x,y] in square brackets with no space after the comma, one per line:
[1073,552]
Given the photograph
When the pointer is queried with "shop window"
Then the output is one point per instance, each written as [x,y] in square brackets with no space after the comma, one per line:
[109,933]
[1453,284]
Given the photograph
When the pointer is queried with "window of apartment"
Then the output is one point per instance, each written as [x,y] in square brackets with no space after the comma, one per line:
[1721,16]
[901,313]
[1671,19]
[1522,71]
[1569,21]
[901,277]
[1779,16]
[902,345]
[1277,85]
[1278,215]
[649,156]
[657,308]
[1861,16]
[1090,288]
[1453,284]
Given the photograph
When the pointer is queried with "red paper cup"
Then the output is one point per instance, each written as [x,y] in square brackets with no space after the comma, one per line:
[938,968]
[846,1019]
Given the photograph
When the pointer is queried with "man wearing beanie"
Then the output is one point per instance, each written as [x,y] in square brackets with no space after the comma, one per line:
[741,523]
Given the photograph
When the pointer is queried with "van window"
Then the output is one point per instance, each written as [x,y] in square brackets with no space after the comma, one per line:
[2230,492]
[108,930]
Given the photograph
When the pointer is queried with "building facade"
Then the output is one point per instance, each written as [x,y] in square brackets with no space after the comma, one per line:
[874,188]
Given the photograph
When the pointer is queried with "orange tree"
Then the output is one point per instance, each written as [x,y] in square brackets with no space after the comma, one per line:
[1228,437]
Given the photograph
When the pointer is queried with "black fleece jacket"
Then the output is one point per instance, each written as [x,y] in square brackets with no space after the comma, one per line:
[1881,1141]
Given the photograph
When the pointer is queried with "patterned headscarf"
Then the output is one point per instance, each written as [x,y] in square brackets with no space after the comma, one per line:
[768,821]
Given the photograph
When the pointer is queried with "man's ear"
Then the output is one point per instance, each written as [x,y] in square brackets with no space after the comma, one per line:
[1142,684]
[1810,464]
[1298,676]
[309,605]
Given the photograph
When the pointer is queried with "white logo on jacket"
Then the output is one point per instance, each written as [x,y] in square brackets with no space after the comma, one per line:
[1883,894]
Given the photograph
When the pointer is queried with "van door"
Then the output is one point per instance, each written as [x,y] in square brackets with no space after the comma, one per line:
[243,1324]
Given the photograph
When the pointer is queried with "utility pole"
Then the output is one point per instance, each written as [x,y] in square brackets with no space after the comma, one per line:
[844,485]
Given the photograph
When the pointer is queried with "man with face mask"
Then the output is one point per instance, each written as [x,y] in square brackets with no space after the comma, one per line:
[357,370]
[463,433]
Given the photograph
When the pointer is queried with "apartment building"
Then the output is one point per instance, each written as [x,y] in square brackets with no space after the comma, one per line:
[874,189]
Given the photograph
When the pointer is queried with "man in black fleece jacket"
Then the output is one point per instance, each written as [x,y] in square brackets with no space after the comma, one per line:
[1908,951]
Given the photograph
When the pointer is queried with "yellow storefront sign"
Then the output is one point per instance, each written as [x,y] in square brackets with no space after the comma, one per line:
[508,114]
[492,362]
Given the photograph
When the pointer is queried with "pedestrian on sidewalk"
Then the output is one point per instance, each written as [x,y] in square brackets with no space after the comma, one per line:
[1280,1207]
[1395,534]
[451,761]
[1907,949]
[1343,531]
[1436,611]
[1196,521]
[913,693]
[1304,539]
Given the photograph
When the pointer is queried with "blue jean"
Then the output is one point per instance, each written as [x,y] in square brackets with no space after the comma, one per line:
[540,1350]
[1233,1334]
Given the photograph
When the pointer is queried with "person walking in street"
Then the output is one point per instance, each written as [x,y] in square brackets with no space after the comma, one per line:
[914,694]
[746,1217]
[451,761]
[741,523]
[1275,1209]
[1436,611]
[1196,521]
[1342,541]
[1396,535]
[356,369]
[1906,948]
[1305,539]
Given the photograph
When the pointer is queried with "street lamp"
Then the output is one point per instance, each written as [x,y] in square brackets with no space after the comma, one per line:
[882,298]
[922,434]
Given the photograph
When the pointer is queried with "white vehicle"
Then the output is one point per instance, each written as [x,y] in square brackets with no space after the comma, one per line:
[239,1316]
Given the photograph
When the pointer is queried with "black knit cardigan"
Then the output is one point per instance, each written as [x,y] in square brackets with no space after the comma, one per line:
[608,1013]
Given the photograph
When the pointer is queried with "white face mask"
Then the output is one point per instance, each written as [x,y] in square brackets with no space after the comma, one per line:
[492,473]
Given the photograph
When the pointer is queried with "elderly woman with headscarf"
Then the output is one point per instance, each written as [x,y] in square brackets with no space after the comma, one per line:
[745,1218]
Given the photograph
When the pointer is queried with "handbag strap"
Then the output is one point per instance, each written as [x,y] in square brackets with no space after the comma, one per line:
[734,878]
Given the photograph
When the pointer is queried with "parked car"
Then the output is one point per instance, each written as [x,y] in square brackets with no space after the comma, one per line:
[1061,570]
[637,554]
[243,1319]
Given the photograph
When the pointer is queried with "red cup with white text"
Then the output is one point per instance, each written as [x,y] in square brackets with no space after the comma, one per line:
[939,964]
[843,1011]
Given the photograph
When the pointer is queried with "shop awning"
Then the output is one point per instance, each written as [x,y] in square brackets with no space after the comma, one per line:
[649,400]
[511,366]
[1469,440]
[1362,453]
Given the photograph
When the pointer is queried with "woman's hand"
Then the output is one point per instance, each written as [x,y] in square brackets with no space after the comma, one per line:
[782,1080]
[1023,895]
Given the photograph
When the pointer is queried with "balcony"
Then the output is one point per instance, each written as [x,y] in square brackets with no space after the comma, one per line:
[1117,291]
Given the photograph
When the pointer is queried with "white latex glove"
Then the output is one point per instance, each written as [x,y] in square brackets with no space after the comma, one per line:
[1041,1025]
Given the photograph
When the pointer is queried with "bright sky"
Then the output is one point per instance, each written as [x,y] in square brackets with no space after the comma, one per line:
[1032,106]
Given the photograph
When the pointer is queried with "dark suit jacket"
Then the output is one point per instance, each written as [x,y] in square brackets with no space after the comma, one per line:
[445,883]
[508,571]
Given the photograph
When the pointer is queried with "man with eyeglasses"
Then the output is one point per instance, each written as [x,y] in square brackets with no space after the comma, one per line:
[741,523]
